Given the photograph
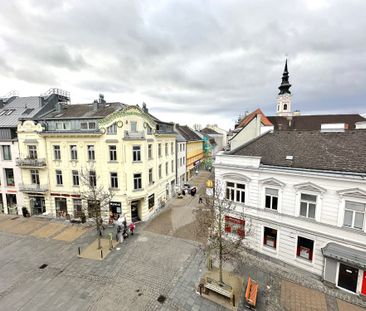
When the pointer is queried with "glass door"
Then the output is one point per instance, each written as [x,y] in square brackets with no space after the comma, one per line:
[347,277]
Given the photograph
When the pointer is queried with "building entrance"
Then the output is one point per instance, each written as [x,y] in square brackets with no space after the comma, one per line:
[37,205]
[135,211]
[347,277]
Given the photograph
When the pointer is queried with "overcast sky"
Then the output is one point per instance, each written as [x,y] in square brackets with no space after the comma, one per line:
[190,61]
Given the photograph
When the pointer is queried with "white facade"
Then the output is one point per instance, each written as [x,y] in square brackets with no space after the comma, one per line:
[181,163]
[295,232]
[284,105]
[12,199]
[220,131]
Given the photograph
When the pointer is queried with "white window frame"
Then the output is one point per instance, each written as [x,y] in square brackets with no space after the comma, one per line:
[310,189]
[342,212]
[235,189]
[308,202]
[267,247]
[272,183]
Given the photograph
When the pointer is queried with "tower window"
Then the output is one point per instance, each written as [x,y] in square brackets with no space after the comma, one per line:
[285,107]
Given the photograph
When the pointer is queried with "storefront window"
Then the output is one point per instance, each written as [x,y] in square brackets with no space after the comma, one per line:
[151,201]
[270,237]
[11,200]
[78,208]
[61,207]
[305,248]
[235,226]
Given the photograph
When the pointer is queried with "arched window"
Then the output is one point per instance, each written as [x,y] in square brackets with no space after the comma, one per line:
[285,107]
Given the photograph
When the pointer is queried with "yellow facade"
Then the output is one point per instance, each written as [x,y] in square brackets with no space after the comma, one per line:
[195,156]
[75,154]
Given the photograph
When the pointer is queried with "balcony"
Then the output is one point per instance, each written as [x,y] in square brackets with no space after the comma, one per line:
[134,135]
[28,162]
[33,188]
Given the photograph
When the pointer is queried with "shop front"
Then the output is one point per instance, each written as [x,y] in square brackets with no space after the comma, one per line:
[345,267]
[11,202]
[37,205]
[115,211]
[234,226]
[135,210]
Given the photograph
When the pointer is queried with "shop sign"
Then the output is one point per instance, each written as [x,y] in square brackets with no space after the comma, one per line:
[115,207]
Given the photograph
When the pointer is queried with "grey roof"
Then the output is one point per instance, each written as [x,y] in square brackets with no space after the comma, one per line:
[180,138]
[207,131]
[314,122]
[83,111]
[187,133]
[19,106]
[335,151]
[346,254]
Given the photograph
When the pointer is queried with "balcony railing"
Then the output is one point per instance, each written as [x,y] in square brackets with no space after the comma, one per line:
[134,135]
[33,188]
[28,162]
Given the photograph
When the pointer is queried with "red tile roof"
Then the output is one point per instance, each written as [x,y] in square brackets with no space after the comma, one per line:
[244,122]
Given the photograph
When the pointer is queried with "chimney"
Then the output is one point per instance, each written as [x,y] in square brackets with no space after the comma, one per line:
[144,108]
[59,107]
[289,119]
[95,105]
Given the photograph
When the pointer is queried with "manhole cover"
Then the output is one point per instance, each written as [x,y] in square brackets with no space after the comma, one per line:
[161,298]
[43,266]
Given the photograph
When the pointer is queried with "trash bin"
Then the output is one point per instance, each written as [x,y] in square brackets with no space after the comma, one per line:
[25,212]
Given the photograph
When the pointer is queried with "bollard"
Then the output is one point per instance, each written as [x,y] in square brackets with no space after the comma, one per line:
[110,245]
[79,250]
[101,253]
[233,300]
[201,285]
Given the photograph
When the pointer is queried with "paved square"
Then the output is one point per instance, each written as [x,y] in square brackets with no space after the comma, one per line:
[71,233]
[48,230]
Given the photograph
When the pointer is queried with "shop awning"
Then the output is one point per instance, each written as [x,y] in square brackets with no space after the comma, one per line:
[352,256]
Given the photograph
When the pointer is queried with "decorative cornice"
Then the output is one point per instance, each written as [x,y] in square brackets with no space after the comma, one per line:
[236,176]
[128,111]
[273,182]
[353,192]
[309,186]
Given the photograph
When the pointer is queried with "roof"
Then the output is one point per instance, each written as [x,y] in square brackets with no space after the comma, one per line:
[187,133]
[346,254]
[314,122]
[207,131]
[245,121]
[84,111]
[180,138]
[19,107]
[334,151]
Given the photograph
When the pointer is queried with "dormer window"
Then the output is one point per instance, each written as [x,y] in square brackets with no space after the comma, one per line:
[285,107]
[133,126]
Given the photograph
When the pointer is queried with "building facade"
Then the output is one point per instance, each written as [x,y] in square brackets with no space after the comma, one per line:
[304,198]
[118,146]
[13,108]
[181,159]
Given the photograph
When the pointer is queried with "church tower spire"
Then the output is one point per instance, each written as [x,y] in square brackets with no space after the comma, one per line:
[284,96]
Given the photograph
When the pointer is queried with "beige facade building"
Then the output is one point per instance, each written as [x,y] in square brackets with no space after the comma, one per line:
[123,148]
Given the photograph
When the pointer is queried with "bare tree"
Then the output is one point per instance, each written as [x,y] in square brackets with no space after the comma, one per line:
[95,199]
[211,226]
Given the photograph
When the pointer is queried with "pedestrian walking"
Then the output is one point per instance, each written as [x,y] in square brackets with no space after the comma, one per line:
[132,227]
[200,200]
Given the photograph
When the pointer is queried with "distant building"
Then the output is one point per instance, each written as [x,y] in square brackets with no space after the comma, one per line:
[12,109]
[215,140]
[257,123]
[194,144]
[304,196]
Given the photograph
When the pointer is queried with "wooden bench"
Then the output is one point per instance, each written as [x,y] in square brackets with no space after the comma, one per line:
[251,293]
[222,289]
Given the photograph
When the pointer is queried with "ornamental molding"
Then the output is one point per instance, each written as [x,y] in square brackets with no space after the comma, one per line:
[272,182]
[353,192]
[236,177]
[125,112]
[309,186]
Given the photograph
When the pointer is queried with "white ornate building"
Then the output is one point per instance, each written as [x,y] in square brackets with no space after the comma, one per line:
[304,193]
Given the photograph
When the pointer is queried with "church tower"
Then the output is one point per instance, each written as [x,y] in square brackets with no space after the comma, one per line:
[284,96]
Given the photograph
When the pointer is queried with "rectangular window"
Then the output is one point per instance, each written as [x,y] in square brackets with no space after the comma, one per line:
[235,226]
[35,177]
[61,207]
[78,208]
[112,129]
[74,152]
[92,178]
[57,152]
[133,126]
[184,160]
[149,151]
[113,153]
[6,152]
[9,175]
[354,215]
[172,166]
[159,150]
[270,237]
[92,125]
[91,153]
[271,198]
[307,205]
[137,182]
[235,192]
[172,148]
[84,125]
[136,153]
[114,180]
[32,152]
[166,168]
[150,176]
[58,177]
[151,201]
[159,171]
[305,248]
[75,178]
[166,149]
